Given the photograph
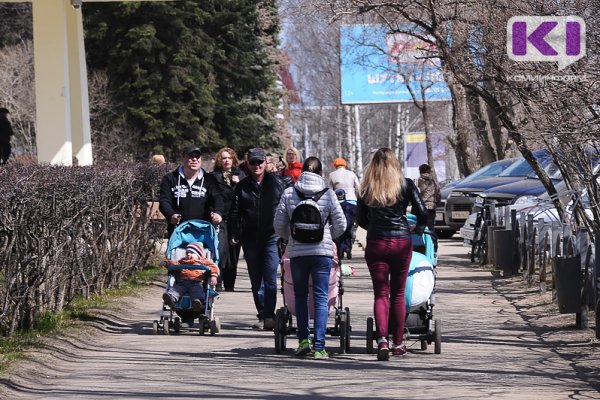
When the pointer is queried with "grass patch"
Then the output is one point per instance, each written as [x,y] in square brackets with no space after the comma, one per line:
[13,348]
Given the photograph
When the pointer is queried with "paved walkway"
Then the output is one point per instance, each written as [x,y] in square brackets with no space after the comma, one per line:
[501,340]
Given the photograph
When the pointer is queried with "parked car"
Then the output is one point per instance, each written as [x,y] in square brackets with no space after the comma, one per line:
[442,230]
[460,200]
[493,169]
[540,207]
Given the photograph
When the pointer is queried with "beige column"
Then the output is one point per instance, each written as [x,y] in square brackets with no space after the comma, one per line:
[53,125]
[79,98]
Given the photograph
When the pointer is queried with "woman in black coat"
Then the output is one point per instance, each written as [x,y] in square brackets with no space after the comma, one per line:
[228,176]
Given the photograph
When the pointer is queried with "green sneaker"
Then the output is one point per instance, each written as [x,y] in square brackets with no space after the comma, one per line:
[321,354]
[303,348]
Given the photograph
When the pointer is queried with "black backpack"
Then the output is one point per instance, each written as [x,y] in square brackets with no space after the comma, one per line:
[306,224]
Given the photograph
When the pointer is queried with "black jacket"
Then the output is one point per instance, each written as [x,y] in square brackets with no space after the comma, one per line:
[197,202]
[5,130]
[386,222]
[253,208]
[227,190]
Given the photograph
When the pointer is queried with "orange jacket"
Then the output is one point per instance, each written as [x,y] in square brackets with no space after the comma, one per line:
[293,170]
[195,274]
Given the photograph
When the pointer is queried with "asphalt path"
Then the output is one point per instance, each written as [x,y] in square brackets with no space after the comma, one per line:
[500,340]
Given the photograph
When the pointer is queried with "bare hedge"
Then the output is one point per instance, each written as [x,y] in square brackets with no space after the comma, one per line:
[66,231]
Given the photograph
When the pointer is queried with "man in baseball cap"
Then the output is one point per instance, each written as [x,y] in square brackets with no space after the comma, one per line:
[189,192]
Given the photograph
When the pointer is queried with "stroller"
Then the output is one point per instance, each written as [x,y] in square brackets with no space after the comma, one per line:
[283,317]
[419,295]
[189,232]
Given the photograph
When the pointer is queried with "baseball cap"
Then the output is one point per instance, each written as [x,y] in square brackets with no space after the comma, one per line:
[256,154]
[192,149]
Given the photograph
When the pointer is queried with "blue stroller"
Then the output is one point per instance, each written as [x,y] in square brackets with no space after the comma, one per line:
[419,295]
[189,232]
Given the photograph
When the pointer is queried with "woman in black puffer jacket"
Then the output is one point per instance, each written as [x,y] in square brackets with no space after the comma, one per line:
[383,197]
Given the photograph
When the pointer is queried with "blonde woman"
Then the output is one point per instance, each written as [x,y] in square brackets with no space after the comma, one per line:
[384,195]
[294,166]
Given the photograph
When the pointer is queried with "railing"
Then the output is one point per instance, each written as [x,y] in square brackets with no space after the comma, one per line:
[547,252]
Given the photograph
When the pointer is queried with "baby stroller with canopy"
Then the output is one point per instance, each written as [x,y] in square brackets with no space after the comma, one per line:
[284,325]
[191,231]
[420,295]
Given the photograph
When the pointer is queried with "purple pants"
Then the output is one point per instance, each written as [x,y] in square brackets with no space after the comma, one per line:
[389,260]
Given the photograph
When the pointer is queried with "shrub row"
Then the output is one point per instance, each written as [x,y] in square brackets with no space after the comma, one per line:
[68,231]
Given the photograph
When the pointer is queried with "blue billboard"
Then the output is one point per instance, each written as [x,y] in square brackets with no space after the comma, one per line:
[378,66]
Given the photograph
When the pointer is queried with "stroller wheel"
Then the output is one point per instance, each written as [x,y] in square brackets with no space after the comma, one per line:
[215,326]
[370,334]
[438,336]
[155,327]
[343,332]
[348,329]
[166,327]
[177,325]
[280,320]
[423,344]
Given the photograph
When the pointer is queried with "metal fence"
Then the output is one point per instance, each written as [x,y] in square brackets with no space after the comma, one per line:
[551,254]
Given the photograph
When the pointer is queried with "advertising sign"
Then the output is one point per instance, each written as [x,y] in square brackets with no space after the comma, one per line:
[376,67]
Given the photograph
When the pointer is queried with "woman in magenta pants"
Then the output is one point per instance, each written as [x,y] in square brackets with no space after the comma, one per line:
[383,197]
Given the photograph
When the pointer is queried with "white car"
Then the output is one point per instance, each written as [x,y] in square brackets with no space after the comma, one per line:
[539,207]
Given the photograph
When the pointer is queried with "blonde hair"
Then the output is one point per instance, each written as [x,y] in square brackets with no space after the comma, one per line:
[296,151]
[157,159]
[382,181]
[219,158]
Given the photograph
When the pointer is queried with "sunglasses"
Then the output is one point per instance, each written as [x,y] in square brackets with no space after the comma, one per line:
[256,162]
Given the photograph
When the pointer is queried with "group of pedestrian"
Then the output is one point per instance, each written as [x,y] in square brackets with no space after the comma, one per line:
[263,205]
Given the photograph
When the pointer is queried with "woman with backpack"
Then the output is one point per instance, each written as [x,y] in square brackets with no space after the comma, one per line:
[383,197]
[310,217]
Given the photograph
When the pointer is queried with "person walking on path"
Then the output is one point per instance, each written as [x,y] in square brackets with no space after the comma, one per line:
[344,242]
[430,192]
[255,200]
[228,175]
[347,180]
[294,165]
[383,197]
[190,193]
[310,259]
[6,132]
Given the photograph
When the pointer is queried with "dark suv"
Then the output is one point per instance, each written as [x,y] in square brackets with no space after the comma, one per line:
[523,191]
[492,169]
[461,199]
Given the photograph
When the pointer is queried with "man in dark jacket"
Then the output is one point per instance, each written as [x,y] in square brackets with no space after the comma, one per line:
[5,133]
[190,193]
[251,218]
[430,192]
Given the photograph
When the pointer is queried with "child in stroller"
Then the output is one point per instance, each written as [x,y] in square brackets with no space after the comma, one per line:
[189,281]
[192,264]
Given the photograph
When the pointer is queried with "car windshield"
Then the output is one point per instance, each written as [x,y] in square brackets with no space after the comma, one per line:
[488,171]
[522,168]
[519,168]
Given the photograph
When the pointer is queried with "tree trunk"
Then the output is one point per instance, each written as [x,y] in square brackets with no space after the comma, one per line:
[357,145]
[462,149]
[486,151]
[425,114]
[348,137]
